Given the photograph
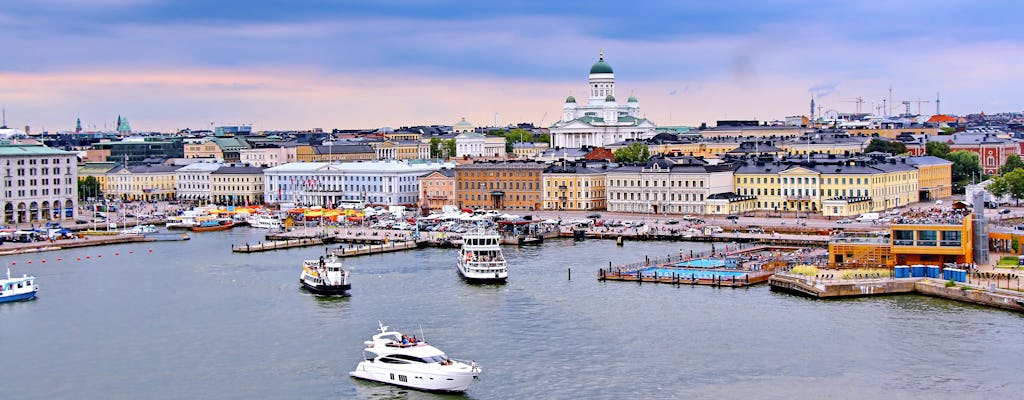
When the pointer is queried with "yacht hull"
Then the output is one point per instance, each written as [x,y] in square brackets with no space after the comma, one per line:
[18,297]
[482,277]
[326,290]
[434,381]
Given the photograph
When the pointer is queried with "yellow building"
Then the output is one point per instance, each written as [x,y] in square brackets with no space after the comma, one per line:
[237,185]
[934,175]
[825,142]
[927,239]
[401,150]
[892,133]
[204,148]
[336,152]
[99,171]
[575,186]
[144,182]
[831,185]
[512,185]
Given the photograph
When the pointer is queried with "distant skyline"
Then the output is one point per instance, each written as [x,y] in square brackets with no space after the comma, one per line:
[173,64]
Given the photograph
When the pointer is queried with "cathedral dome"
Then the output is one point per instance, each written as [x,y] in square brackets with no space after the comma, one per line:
[610,98]
[570,99]
[632,99]
[601,67]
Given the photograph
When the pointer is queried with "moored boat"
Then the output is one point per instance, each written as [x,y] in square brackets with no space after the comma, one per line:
[17,289]
[481,259]
[397,359]
[324,276]
[214,225]
[265,221]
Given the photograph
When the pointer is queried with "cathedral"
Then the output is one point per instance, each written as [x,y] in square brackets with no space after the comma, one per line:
[601,121]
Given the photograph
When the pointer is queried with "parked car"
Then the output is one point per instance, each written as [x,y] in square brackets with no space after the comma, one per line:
[672,222]
[733,217]
[845,221]
[1004,211]
[594,216]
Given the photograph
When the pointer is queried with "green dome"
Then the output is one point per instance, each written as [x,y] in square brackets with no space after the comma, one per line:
[609,98]
[570,99]
[601,67]
[632,99]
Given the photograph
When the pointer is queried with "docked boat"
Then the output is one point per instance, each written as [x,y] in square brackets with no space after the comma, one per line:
[325,276]
[395,358]
[265,221]
[140,230]
[220,224]
[179,222]
[480,258]
[17,289]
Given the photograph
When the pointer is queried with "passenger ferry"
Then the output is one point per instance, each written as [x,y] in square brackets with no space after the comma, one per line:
[265,221]
[324,276]
[17,289]
[220,224]
[180,222]
[398,359]
[480,259]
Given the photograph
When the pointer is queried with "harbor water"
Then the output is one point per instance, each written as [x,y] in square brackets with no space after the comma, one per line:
[183,320]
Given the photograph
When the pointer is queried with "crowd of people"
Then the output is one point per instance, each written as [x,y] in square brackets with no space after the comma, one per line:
[932,216]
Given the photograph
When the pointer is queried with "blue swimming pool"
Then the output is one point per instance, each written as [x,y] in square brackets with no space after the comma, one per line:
[684,273]
[702,263]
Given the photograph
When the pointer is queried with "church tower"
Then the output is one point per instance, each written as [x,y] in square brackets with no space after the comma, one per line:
[602,82]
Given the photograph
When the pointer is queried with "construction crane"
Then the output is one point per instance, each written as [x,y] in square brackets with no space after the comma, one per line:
[858,100]
[541,125]
[907,104]
[919,102]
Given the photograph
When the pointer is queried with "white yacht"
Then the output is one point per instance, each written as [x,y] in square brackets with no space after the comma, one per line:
[140,230]
[181,222]
[395,358]
[480,259]
[324,276]
[265,221]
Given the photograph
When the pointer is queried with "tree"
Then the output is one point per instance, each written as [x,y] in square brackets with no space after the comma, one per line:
[449,147]
[966,167]
[1012,162]
[1015,184]
[516,136]
[88,187]
[886,146]
[937,149]
[435,147]
[635,152]
[999,187]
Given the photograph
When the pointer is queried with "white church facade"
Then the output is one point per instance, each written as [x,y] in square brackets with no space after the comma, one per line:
[601,121]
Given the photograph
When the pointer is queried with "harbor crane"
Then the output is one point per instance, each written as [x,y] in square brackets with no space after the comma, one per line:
[859,100]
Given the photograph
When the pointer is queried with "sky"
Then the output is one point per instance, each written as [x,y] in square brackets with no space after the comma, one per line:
[304,64]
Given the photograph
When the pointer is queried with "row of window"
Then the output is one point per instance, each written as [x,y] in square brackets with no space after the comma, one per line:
[670,183]
[37,192]
[517,185]
[827,181]
[42,161]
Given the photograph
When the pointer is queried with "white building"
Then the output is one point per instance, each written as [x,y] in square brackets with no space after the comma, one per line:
[268,156]
[472,144]
[39,183]
[601,121]
[192,182]
[667,185]
[388,182]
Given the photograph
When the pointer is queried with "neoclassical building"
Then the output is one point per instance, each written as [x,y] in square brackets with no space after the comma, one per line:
[39,183]
[601,121]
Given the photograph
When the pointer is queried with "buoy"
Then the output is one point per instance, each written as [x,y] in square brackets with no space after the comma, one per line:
[86,257]
[116,253]
[14,263]
[58,259]
[99,256]
[44,261]
[78,258]
[150,250]
[131,252]
[29,262]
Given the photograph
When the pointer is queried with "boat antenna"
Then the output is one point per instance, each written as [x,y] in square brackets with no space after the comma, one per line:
[423,337]
[383,328]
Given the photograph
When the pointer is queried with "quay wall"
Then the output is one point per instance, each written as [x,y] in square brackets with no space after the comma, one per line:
[976,296]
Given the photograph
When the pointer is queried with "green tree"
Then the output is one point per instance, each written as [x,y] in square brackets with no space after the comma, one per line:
[886,146]
[1015,184]
[544,138]
[449,147]
[516,136]
[635,152]
[1012,162]
[999,187]
[937,149]
[966,167]
[88,187]
[435,147]
[947,130]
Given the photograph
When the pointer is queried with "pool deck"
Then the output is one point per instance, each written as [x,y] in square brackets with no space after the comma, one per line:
[633,272]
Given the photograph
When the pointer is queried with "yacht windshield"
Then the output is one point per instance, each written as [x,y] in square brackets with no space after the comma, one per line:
[435,359]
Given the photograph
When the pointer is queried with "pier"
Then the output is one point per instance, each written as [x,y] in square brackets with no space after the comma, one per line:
[276,245]
[86,241]
[818,288]
[666,270]
[365,249]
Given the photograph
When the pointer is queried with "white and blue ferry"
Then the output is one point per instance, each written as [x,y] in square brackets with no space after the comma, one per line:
[17,289]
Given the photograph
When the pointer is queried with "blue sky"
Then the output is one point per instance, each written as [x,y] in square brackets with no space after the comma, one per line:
[305,64]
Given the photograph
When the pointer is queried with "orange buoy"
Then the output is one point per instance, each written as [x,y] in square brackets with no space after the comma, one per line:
[150,250]
[44,261]
[115,253]
[29,262]
[78,258]
[86,257]
[131,252]
[58,259]
[99,256]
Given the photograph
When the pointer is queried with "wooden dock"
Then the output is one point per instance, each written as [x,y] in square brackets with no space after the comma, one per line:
[276,245]
[365,249]
[750,278]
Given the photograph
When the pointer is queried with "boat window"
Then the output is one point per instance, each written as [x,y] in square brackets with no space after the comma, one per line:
[406,357]
[434,359]
[392,360]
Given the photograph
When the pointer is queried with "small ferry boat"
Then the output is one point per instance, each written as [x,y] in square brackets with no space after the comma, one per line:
[17,289]
[480,258]
[140,230]
[265,221]
[219,224]
[324,276]
[398,359]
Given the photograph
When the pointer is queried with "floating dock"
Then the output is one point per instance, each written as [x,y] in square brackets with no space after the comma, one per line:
[365,249]
[842,288]
[668,270]
[276,245]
